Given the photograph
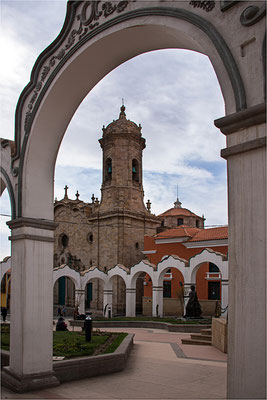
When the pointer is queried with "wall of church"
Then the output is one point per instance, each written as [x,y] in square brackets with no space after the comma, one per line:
[80,251]
[172,221]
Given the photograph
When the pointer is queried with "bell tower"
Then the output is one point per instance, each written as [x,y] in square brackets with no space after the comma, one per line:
[122,187]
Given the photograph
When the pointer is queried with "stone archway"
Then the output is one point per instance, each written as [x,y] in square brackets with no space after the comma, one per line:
[64,271]
[144,267]
[84,52]
[220,260]
[166,263]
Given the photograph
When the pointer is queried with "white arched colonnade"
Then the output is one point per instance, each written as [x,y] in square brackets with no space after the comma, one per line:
[188,270]
[95,39]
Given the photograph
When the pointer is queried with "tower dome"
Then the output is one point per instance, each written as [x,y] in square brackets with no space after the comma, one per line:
[122,125]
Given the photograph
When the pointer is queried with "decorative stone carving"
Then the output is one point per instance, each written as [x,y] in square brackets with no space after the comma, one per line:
[226,4]
[88,21]
[206,5]
[252,14]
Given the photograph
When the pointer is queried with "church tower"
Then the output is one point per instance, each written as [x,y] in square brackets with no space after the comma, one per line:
[122,186]
[122,218]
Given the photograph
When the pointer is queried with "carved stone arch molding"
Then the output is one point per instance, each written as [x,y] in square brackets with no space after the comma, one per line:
[71,39]
[5,182]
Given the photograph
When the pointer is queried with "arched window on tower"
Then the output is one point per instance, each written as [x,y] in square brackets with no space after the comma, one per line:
[108,170]
[135,170]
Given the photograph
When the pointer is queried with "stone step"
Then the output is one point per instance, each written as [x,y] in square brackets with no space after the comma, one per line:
[206,332]
[196,342]
[197,336]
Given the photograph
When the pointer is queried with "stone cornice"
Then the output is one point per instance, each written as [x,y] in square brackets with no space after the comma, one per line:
[33,223]
[243,147]
[207,243]
[32,237]
[123,214]
[254,115]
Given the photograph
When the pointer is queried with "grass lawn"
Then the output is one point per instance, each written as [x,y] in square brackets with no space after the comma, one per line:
[73,344]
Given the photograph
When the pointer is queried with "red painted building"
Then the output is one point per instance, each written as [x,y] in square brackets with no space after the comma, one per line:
[185,240]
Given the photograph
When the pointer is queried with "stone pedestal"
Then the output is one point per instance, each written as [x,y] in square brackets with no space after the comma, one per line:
[28,382]
[219,334]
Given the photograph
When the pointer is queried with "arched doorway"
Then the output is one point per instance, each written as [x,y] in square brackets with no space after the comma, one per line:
[208,287]
[172,281]
[64,294]
[73,63]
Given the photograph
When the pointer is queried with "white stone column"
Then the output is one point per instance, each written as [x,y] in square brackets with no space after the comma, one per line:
[130,302]
[80,300]
[107,302]
[31,328]
[157,301]
[224,299]
[246,171]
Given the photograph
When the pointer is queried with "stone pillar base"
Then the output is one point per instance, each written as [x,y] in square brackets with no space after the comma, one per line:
[26,383]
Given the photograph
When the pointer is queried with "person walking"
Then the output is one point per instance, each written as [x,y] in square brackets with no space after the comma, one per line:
[4,313]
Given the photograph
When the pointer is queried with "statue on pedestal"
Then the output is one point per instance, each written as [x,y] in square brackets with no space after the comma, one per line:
[193,308]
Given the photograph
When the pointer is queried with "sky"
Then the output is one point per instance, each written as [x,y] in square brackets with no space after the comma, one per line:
[174,94]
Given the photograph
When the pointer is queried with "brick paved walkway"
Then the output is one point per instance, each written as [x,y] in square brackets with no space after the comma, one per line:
[159,367]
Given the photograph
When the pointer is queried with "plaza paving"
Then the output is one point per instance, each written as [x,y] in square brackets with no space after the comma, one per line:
[159,367]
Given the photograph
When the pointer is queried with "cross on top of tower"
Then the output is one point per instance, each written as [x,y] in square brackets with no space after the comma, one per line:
[66,192]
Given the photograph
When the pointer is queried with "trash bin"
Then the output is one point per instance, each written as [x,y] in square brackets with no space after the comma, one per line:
[88,324]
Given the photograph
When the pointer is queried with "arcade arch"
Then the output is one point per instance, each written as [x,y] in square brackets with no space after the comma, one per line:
[64,292]
[220,260]
[176,34]
[208,256]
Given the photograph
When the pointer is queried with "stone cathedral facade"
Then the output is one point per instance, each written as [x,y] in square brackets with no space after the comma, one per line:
[111,231]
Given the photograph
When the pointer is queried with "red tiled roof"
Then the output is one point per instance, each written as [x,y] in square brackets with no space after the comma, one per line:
[181,231]
[178,211]
[211,234]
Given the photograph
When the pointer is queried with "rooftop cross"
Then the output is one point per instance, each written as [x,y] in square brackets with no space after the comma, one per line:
[66,192]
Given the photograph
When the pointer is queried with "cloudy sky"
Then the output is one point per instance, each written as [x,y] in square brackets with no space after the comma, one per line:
[174,94]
